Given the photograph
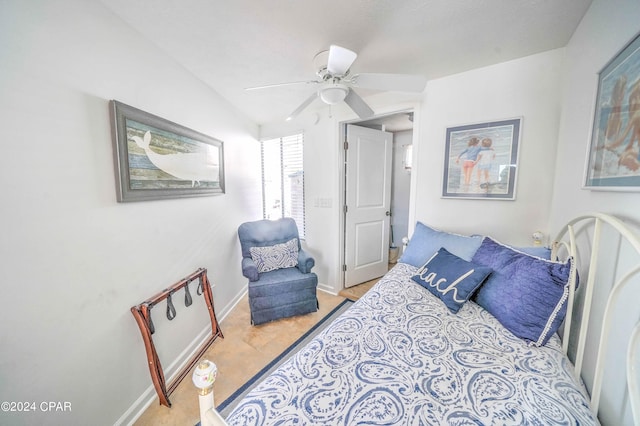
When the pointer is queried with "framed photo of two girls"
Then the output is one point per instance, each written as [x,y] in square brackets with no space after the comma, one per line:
[481,160]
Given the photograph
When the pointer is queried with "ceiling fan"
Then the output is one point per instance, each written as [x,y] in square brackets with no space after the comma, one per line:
[336,84]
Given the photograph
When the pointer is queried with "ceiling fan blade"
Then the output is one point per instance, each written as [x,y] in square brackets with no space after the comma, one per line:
[358,105]
[302,106]
[340,60]
[390,82]
[267,86]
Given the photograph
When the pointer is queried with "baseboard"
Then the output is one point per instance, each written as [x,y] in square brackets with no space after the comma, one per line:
[327,289]
[149,396]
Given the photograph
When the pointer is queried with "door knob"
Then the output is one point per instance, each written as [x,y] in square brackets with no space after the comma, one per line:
[388,213]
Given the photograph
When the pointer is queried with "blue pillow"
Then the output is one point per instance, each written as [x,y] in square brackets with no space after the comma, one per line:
[527,294]
[450,278]
[538,251]
[426,241]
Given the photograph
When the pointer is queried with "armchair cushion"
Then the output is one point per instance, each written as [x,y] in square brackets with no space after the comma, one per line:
[277,256]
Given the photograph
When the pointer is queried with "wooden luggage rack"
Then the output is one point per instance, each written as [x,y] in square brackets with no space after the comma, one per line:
[142,315]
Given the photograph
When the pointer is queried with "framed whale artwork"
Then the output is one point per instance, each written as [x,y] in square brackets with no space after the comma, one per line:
[157,159]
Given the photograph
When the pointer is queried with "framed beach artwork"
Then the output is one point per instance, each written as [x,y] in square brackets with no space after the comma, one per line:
[613,161]
[157,159]
[481,160]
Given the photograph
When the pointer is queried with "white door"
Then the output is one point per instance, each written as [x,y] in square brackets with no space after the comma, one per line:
[368,203]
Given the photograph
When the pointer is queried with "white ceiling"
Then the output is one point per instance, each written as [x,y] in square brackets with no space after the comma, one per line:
[234,44]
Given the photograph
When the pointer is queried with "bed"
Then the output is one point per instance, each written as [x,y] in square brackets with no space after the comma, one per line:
[435,343]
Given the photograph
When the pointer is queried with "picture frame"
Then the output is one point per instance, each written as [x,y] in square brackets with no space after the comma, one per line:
[157,159]
[613,157]
[474,171]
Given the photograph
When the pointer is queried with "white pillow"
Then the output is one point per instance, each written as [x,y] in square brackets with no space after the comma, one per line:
[274,257]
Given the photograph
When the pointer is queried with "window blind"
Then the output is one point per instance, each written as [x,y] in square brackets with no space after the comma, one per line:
[283,179]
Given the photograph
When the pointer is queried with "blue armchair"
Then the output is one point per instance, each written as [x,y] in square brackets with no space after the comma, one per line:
[281,283]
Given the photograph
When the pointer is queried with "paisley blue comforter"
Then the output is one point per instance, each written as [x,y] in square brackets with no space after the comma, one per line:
[399,357]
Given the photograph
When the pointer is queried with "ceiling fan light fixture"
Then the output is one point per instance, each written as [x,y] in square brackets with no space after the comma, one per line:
[334,94]
[336,83]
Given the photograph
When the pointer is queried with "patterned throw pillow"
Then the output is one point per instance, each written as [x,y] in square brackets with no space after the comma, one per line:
[450,278]
[274,257]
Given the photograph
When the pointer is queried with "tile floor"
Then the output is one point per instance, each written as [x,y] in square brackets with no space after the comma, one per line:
[243,352]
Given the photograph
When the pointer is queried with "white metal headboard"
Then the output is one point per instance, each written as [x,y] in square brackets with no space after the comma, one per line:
[567,240]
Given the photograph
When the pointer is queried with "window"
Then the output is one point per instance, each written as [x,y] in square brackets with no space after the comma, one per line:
[283,179]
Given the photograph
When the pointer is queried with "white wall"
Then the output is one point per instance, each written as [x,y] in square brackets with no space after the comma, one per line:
[527,88]
[73,259]
[605,29]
